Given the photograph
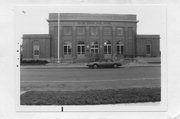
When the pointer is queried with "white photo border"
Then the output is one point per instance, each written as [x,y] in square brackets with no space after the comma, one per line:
[162,106]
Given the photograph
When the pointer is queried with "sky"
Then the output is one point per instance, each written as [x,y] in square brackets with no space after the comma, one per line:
[33,19]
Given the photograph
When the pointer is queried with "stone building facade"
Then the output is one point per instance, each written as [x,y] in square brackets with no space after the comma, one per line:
[83,36]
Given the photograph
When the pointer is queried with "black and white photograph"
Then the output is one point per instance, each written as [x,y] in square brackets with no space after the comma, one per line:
[91,57]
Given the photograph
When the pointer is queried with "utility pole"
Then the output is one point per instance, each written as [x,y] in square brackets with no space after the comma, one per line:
[58,37]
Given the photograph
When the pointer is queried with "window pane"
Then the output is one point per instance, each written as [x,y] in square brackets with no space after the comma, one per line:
[96,51]
[92,51]
[122,49]
[105,49]
[118,50]
[148,49]
[65,50]
[36,52]
[109,49]
[79,50]
[83,49]
[69,50]
[96,46]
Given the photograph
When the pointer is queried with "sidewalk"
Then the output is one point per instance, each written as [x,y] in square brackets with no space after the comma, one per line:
[81,65]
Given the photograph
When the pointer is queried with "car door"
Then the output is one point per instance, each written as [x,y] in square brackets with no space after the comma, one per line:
[102,63]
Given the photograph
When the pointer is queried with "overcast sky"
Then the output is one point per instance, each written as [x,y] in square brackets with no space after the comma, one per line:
[33,19]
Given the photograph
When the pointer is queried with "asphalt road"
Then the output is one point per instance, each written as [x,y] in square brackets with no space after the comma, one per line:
[85,79]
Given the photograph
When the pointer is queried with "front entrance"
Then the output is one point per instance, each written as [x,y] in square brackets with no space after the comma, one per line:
[94,48]
[107,50]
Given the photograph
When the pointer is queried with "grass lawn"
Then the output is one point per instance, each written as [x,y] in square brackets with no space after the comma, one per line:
[91,97]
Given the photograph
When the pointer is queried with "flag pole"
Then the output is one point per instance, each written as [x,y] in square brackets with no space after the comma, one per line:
[58,37]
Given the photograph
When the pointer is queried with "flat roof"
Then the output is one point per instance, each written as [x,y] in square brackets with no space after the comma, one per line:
[37,36]
[147,36]
[92,17]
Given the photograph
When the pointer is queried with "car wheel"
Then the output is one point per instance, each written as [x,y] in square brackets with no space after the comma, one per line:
[95,66]
[115,65]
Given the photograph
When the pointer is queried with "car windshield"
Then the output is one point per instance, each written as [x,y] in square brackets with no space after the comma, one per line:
[106,60]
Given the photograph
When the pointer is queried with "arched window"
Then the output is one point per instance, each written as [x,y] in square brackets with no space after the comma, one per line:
[81,47]
[107,47]
[36,49]
[120,48]
[94,48]
[148,47]
[67,48]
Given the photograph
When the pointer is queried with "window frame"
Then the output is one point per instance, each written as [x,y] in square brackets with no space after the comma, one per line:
[81,45]
[107,44]
[121,46]
[95,47]
[68,50]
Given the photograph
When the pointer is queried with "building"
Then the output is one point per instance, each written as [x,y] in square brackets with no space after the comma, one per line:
[84,36]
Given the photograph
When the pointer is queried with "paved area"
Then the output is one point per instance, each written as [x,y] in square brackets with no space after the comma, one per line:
[83,78]
[81,65]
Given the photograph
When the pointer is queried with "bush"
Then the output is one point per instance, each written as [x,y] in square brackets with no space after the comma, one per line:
[34,62]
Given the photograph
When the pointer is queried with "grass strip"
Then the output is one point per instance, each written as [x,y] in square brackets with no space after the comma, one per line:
[91,97]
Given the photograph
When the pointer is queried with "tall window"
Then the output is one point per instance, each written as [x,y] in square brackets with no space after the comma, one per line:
[81,48]
[36,50]
[94,48]
[67,48]
[107,47]
[120,48]
[148,49]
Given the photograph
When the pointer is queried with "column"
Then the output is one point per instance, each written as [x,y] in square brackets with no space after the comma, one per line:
[74,45]
[114,42]
[87,43]
[101,44]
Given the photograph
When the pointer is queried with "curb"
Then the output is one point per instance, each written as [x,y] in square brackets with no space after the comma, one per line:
[80,67]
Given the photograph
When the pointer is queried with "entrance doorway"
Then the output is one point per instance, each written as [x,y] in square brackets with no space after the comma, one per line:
[94,48]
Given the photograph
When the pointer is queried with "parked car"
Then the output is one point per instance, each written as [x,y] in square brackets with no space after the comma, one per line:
[104,63]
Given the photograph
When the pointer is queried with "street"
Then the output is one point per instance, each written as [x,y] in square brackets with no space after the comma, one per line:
[85,79]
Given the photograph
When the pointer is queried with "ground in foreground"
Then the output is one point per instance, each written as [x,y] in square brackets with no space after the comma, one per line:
[91,97]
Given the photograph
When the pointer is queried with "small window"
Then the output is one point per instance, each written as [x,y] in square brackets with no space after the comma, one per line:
[107,31]
[119,31]
[94,31]
[80,30]
[67,30]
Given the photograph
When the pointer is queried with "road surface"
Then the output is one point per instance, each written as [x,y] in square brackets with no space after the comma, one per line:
[85,79]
